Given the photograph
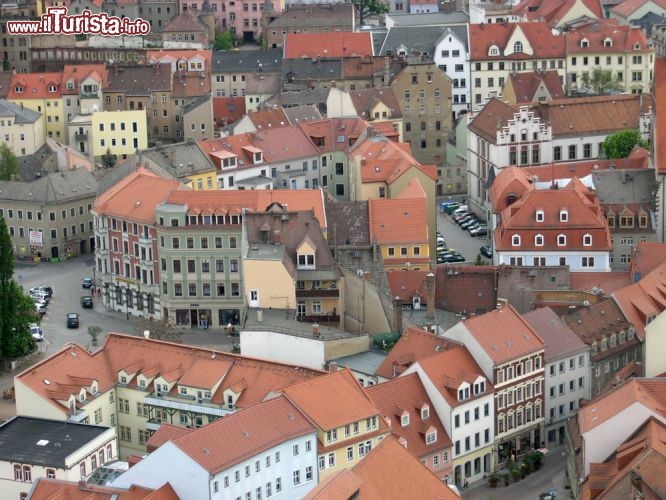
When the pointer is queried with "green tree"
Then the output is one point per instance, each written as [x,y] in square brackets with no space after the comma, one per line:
[108,160]
[370,7]
[601,81]
[8,163]
[17,310]
[620,144]
[224,40]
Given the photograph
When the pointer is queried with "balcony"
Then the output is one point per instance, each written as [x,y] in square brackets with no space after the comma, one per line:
[78,416]
[145,241]
[81,136]
[190,405]
[313,293]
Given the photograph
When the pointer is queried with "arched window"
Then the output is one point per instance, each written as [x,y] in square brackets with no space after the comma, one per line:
[518,47]
[515,240]
[587,240]
[538,240]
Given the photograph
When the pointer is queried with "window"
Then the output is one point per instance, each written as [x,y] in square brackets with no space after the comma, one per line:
[297,477]
[515,240]
[538,240]
[557,153]
[561,240]
[518,47]
[587,261]
[539,216]
[587,240]
[564,216]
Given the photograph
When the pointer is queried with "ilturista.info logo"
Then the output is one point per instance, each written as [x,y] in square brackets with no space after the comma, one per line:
[56,22]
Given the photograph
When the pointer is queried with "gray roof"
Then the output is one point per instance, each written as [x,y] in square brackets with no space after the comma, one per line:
[558,339]
[315,15]
[56,187]
[20,114]
[179,160]
[648,21]
[44,442]
[350,220]
[109,177]
[139,80]
[301,70]
[363,362]
[31,167]
[420,39]
[301,114]
[430,18]
[624,186]
[230,61]
[198,101]
[378,38]
[316,96]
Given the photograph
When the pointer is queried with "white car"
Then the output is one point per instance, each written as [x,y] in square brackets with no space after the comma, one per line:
[36,332]
[40,295]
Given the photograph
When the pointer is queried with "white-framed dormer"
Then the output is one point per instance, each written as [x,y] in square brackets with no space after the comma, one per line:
[479,385]
[94,387]
[425,411]
[564,215]
[608,42]
[404,419]
[431,435]
[82,395]
[585,43]
[538,240]
[515,240]
[561,240]
[494,50]
[162,387]
[540,216]
[305,254]
[587,240]
[464,391]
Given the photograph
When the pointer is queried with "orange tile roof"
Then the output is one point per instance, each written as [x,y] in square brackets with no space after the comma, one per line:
[637,160]
[134,354]
[332,400]
[513,181]
[327,45]
[189,84]
[407,394]
[268,118]
[624,38]
[660,115]
[526,84]
[647,256]
[386,161]
[585,216]
[227,201]
[553,11]
[388,472]
[628,7]
[407,284]
[329,132]
[136,196]
[51,489]
[79,72]
[165,432]
[171,55]
[503,334]
[398,220]
[649,393]
[413,345]
[237,437]
[540,37]
[227,110]
[450,368]
[35,86]
[606,281]
[643,299]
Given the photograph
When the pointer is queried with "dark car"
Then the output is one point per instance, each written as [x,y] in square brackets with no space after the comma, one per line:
[87,282]
[450,257]
[486,251]
[86,302]
[479,231]
[72,320]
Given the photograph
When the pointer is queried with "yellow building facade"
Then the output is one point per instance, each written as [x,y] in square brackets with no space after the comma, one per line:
[120,132]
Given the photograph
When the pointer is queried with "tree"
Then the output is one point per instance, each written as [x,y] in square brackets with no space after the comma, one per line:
[108,160]
[8,163]
[601,81]
[17,310]
[370,7]
[224,40]
[620,144]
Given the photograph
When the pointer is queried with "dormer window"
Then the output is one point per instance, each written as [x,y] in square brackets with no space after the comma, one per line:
[494,50]
[18,89]
[431,437]
[611,220]
[480,387]
[538,240]
[540,216]
[613,340]
[564,216]
[70,85]
[123,379]
[258,157]
[52,89]
[515,240]
[584,43]
[425,412]
[404,419]
[587,240]
[463,393]
[518,47]
[604,344]
[306,261]
[561,240]
[608,42]
[637,46]
[82,396]
[229,162]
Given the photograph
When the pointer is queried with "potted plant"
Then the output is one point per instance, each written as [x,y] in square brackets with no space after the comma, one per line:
[524,469]
[537,459]
[493,479]
[94,332]
[506,476]
[515,473]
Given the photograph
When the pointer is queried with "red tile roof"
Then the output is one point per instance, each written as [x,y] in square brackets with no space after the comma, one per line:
[450,368]
[398,220]
[407,395]
[585,217]
[644,299]
[165,432]
[227,110]
[413,345]
[608,282]
[628,7]
[189,84]
[185,22]
[552,11]
[79,72]
[326,134]
[466,289]
[237,437]
[559,340]
[408,284]
[35,86]
[660,115]
[136,196]
[646,258]
[388,472]
[596,321]
[327,45]
[503,334]
[624,38]
[526,84]
[386,161]
[332,400]
[540,38]
[50,489]
[228,201]
[649,393]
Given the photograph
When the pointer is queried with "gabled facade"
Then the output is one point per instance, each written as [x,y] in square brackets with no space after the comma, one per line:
[41,92]
[229,71]
[557,14]
[532,87]
[347,423]
[462,397]
[451,54]
[411,416]
[22,128]
[510,353]
[83,86]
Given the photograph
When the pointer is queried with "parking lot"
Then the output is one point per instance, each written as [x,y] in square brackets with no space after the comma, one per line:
[459,239]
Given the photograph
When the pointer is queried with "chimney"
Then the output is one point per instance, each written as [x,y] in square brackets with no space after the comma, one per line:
[501,303]
[430,289]
[332,366]
[397,315]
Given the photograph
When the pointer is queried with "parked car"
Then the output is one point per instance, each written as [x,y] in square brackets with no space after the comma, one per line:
[87,282]
[41,289]
[40,308]
[470,222]
[462,215]
[86,302]
[479,231]
[40,302]
[486,251]
[467,218]
[36,332]
[72,320]
[461,209]
[39,295]
[450,257]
